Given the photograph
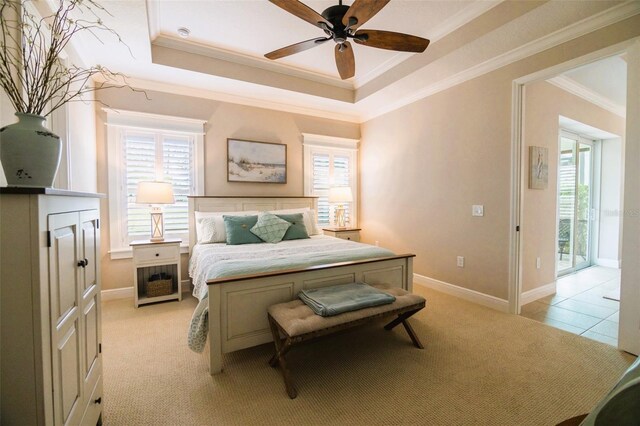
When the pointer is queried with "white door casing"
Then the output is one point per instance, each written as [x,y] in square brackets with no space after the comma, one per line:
[629,329]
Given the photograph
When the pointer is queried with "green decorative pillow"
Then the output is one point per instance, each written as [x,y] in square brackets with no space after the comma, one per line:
[297,230]
[270,227]
[239,229]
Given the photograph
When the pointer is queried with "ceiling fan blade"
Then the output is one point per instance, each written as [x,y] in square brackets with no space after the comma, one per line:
[391,41]
[345,61]
[302,11]
[296,48]
[362,11]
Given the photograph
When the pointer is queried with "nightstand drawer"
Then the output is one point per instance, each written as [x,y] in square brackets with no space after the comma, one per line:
[151,254]
[352,236]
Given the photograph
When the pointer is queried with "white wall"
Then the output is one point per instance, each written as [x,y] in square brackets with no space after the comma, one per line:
[6,117]
[610,202]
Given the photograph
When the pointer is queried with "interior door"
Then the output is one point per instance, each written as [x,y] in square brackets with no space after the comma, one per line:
[89,272]
[65,319]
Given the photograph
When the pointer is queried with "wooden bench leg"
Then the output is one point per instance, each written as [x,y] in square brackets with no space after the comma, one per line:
[279,358]
[403,319]
[412,334]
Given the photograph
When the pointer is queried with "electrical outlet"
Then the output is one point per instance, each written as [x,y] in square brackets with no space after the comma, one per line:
[537,263]
[460,262]
[477,210]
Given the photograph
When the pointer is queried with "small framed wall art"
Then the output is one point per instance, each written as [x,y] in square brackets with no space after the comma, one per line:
[538,167]
[251,161]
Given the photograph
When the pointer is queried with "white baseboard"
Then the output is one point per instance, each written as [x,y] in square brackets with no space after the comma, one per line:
[463,293]
[117,293]
[127,292]
[537,293]
[609,263]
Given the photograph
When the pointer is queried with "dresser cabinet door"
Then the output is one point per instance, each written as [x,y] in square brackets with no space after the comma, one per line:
[90,300]
[66,333]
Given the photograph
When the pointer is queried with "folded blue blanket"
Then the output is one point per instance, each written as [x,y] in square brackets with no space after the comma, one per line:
[334,300]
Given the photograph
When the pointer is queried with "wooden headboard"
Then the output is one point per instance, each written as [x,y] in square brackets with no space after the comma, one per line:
[235,204]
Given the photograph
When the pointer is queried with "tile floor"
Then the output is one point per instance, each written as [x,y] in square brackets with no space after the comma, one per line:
[578,305]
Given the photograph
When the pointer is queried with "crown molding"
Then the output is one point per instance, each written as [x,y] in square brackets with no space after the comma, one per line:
[310,139]
[458,20]
[172,88]
[202,49]
[153,19]
[570,85]
[578,29]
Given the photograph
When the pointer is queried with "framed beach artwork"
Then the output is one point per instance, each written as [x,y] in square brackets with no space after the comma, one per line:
[250,161]
[538,167]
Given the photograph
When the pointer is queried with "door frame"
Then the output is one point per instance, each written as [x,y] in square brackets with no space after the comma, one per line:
[626,340]
[580,140]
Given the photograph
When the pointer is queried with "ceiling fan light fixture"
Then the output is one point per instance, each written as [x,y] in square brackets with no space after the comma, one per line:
[341,23]
[184,32]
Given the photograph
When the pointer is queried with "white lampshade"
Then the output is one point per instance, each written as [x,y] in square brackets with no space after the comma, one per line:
[154,192]
[340,194]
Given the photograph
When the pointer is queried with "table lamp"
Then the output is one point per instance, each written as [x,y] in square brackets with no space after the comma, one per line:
[340,195]
[154,193]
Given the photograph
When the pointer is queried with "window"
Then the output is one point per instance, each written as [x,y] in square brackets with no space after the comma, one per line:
[331,162]
[148,147]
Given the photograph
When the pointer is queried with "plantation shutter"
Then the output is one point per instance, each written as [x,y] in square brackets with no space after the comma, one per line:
[155,156]
[321,175]
[176,159]
[140,165]
[330,169]
[342,177]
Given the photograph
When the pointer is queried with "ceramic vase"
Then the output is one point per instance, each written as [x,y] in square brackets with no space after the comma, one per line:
[29,152]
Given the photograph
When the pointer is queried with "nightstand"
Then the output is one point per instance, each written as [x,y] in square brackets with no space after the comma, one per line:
[352,234]
[156,271]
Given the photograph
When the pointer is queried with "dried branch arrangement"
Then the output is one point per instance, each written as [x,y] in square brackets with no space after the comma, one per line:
[31,70]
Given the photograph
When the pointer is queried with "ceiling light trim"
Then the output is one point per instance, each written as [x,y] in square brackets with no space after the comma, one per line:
[607,17]
[570,85]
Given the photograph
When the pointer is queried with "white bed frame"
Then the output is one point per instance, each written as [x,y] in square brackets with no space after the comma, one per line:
[238,305]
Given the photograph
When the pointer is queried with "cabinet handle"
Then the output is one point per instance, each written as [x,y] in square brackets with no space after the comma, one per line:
[98,400]
[82,263]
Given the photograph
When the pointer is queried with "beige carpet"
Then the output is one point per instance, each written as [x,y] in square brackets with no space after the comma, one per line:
[479,367]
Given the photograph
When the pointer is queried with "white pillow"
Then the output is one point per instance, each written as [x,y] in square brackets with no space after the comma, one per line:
[308,215]
[210,225]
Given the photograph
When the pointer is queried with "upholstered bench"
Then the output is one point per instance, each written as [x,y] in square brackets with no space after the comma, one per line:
[298,323]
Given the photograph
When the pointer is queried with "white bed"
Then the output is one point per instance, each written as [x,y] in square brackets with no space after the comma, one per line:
[237,304]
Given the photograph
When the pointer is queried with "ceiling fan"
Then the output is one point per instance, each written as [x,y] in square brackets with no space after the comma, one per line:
[341,23]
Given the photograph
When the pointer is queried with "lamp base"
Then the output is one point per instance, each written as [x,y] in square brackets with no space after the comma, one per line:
[157,225]
[340,220]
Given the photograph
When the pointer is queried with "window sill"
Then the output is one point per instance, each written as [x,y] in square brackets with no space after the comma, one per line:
[127,253]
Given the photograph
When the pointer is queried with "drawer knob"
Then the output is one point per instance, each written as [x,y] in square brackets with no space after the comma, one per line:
[98,400]
[157,254]
[348,238]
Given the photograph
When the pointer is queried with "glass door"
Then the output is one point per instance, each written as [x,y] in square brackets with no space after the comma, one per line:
[575,182]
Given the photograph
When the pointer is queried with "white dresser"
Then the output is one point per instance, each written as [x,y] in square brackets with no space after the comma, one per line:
[50,314]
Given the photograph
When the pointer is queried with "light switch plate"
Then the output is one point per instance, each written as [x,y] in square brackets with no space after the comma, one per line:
[477,210]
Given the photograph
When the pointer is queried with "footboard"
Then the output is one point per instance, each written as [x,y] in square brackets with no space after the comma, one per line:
[238,305]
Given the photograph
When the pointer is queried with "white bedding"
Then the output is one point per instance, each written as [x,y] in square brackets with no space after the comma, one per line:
[202,265]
